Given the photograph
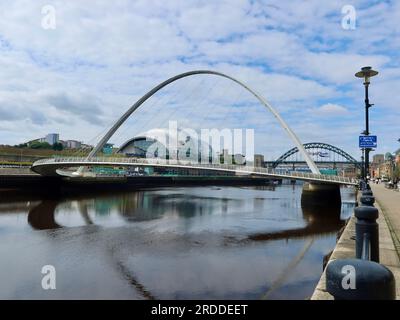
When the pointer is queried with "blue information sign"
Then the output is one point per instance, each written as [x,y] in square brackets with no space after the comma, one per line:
[367,141]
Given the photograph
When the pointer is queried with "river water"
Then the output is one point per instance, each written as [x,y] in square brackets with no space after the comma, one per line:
[168,243]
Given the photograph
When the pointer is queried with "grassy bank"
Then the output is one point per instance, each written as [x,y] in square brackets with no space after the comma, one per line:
[40,153]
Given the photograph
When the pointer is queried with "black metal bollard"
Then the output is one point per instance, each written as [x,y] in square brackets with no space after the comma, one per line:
[367,192]
[366,224]
[367,200]
[354,279]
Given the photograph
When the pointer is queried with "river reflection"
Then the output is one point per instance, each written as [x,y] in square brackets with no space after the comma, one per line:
[176,243]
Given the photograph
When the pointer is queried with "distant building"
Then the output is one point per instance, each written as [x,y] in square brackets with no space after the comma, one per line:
[52,138]
[397,159]
[349,172]
[239,158]
[382,169]
[386,169]
[86,146]
[227,158]
[378,159]
[73,144]
[258,160]
[376,165]
[159,143]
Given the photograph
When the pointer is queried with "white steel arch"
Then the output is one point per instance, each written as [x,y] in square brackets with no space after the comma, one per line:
[311,164]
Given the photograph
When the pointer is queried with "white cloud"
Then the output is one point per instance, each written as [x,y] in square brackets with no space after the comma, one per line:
[332,110]
[218,20]
[103,57]
[285,53]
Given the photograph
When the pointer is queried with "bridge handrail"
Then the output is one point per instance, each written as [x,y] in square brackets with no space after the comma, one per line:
[194,165]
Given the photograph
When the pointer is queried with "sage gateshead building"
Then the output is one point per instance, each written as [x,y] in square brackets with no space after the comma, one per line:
[160,143]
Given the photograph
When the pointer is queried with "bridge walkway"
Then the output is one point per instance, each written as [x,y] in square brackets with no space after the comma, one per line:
[49,166]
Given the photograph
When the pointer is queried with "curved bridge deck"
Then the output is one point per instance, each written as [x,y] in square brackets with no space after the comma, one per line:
[49,167]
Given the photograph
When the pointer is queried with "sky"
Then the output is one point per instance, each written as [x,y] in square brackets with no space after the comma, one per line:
[74,67]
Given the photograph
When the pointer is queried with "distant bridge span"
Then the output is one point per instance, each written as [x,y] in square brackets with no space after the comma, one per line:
[55,166]
[319,145]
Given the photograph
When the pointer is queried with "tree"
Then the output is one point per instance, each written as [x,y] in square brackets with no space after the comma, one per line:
[58,146]
[21,145]
[388,156]
[39,145]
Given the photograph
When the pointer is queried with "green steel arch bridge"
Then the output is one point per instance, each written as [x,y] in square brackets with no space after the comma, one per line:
[320,158]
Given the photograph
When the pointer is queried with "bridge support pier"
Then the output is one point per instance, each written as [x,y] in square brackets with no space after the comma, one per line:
[320,194]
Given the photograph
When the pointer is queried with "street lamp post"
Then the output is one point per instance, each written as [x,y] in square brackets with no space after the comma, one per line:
[362,163]
[366,73]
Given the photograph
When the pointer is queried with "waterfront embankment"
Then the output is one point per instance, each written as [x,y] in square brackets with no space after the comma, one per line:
[387,202]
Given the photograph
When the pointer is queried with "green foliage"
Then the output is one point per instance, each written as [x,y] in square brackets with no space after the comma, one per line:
[388,156]
[39,145]
[21,145]
[58,146]
[16,163]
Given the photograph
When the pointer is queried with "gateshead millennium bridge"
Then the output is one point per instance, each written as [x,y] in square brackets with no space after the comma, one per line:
[58,166]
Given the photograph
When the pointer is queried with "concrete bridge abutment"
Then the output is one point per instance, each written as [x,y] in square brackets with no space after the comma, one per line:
[320,194]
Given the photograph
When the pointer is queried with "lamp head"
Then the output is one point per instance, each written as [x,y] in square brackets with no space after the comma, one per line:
[366,73]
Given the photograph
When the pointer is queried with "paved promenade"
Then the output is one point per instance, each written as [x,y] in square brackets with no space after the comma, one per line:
[388,203]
